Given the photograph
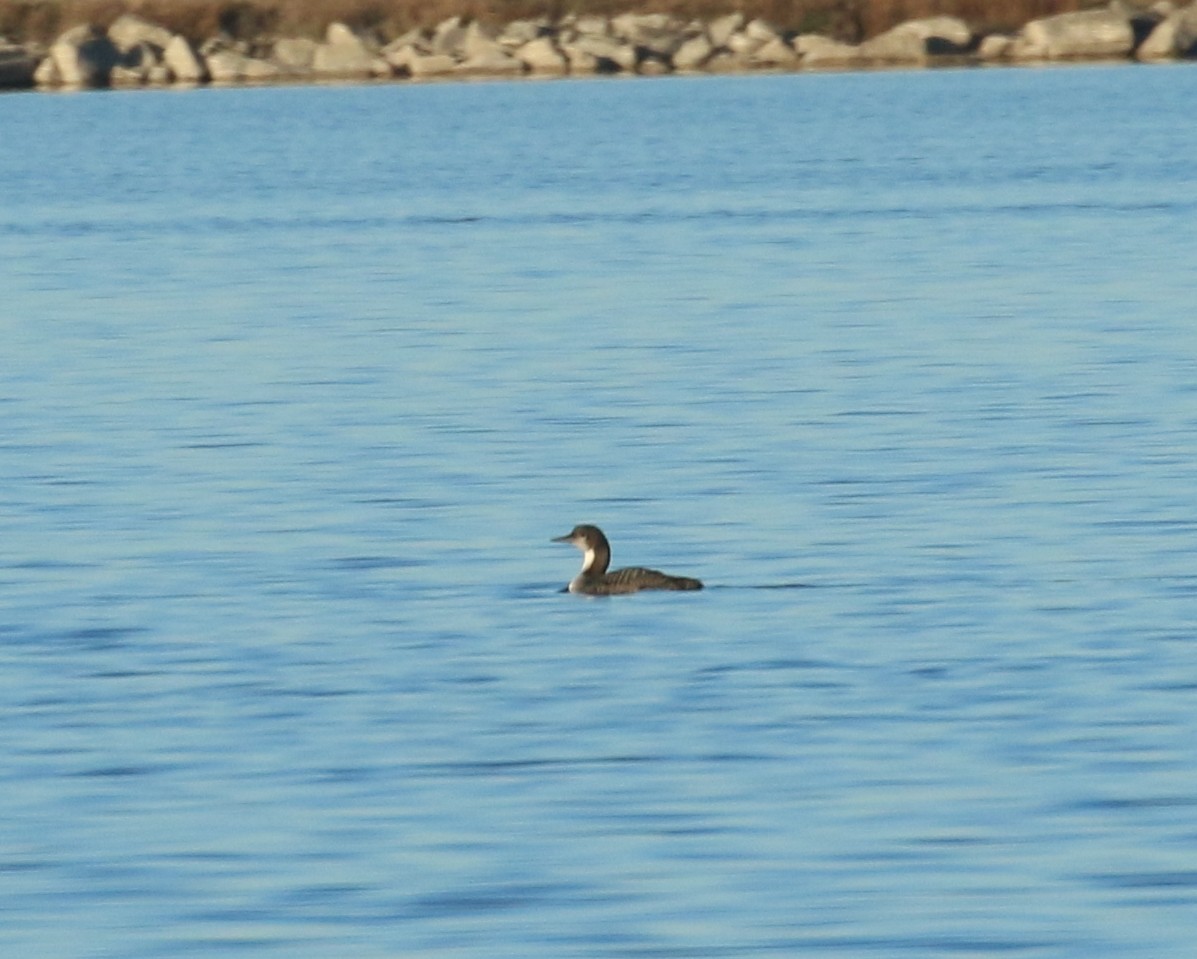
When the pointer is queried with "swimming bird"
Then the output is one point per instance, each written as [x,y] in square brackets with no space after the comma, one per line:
[594,580]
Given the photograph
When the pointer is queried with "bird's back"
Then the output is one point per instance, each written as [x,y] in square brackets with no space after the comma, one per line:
[633,579]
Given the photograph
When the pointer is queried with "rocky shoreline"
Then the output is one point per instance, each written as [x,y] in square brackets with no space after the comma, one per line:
[135,52]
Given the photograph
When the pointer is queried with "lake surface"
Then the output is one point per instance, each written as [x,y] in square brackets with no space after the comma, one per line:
[299,382]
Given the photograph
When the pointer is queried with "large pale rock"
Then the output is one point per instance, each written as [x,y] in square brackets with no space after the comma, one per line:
[129,30]
[756,36]
[492,63]
[429,64]
[657,35]
[894,46]
[480,41]
[46,74]
[183,61]
[951,33]
[724,61]
[1087,34]
[720,29]
[342,54]
[592,24]
[17,66]
[581,62]
[639,27]
[483,55]
[996,46]
[609,53]
[694,53]
[823,53]
[744,44]
[122,76]
[399,56]
[84,57]
[519,32]
[1174,36]
[294,55]
[917,40]
[761,30]
[415,38]
[229,66]
[1186,32]
[774,53]
[542,56]
[448,37]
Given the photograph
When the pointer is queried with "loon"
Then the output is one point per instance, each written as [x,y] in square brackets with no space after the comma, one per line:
[594,580]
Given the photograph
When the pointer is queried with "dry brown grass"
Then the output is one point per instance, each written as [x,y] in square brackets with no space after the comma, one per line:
[851,20]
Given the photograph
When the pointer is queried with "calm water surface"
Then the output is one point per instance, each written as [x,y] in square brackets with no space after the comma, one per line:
[299,382]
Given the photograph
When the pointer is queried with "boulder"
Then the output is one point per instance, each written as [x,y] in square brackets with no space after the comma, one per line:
[742,44]
[448,36]
[943,34]
[400,56]
[429,64]
[122,76]
[610,55]
[542,56]
[183,61]
[720,29]
[17,66]
[493,63]
[342,54]
[996,46]
[129,30]
[415,38]
[642,27]
[84,57]
[774,53]
[1174,36]
[519,32]
[592,25]
[724,61]
[581,62]
[482,54]
[1186,32]
[1087,34]
[46,74]
[761,30]
[894,46]
[693,53]
[917,40]
[229,66]
[652,36]
[480,41]
[823,53]
[294,55]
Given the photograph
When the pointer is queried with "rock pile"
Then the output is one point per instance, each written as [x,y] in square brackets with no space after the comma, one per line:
[133,51]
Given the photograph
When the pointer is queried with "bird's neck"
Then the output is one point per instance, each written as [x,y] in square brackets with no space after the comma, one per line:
[595,560]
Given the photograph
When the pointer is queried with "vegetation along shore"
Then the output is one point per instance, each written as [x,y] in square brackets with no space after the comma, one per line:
[98,43]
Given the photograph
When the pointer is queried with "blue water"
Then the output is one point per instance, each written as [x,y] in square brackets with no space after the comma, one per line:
[298,383]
